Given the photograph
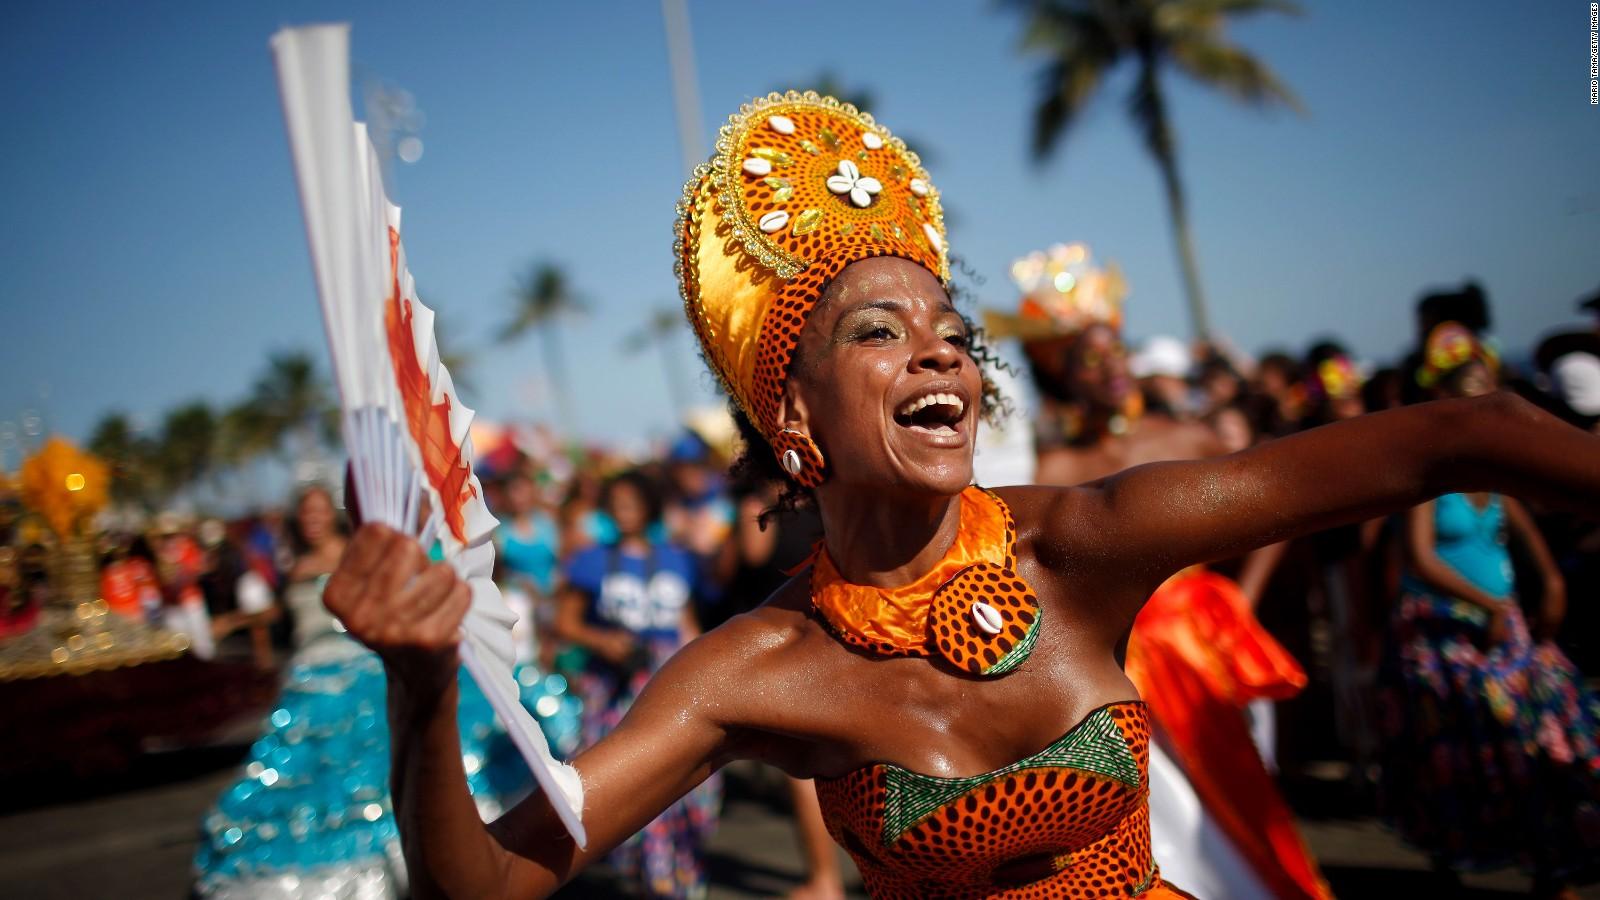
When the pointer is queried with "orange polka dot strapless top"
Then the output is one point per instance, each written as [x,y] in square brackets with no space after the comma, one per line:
[1071,821]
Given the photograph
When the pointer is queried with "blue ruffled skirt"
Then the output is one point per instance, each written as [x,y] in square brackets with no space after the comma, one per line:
[311,816]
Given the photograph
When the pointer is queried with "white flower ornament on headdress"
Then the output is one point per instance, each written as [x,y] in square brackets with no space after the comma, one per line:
[861,188]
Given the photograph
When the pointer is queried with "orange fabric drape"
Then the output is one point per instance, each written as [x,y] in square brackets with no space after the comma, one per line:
[1197,656]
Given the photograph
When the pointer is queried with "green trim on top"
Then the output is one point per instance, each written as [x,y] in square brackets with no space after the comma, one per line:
[1095,745]
[1020,652]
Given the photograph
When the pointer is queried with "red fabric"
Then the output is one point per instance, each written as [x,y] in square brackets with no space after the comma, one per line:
[1197,656]
[126,583]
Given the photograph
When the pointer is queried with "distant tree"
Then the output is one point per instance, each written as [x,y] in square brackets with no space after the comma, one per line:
[128,454]
[1082,41]
[288,408]
[187,449]
[544,296]
[659,330]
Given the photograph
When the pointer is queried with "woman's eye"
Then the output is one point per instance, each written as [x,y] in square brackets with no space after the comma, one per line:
[959,340]
[881,333]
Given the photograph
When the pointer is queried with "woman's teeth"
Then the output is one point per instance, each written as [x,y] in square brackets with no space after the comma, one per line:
[913,406]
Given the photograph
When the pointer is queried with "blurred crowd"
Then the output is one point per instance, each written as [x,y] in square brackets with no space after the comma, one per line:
[613,560]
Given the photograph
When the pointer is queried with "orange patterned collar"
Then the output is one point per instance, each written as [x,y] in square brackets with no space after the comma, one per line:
[971,608]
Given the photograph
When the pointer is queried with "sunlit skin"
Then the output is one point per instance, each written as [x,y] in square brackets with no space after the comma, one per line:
[774,685]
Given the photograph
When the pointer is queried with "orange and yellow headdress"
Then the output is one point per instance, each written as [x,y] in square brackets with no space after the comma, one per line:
[800,186]
[1063,293]
[1450,346]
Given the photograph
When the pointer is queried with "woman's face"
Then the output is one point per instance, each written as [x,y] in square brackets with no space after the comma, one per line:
[628,509]
[883,382]
[315,517]
[1097,369]
[521,496]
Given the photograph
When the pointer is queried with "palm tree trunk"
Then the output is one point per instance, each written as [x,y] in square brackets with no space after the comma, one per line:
[1199,321]
[555,366]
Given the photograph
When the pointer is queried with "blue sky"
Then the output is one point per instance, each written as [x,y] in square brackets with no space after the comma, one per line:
[153,253]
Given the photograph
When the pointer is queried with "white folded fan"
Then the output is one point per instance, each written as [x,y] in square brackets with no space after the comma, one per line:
[404,427]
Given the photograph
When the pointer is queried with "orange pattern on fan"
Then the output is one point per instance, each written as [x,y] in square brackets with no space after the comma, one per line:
[428,422]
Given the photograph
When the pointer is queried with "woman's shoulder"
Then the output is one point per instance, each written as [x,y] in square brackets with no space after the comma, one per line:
[1046,509]
[765,646]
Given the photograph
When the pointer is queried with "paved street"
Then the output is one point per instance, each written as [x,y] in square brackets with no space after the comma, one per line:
[134,839]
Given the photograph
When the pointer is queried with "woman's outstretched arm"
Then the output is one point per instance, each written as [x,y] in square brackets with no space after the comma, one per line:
[673,738]
[1124,535]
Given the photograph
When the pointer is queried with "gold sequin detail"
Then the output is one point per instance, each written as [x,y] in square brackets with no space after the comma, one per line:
[807,222]
[782,190]
[776,157]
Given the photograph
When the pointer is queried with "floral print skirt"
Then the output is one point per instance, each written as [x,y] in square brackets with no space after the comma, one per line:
[1490,753]
[666,857]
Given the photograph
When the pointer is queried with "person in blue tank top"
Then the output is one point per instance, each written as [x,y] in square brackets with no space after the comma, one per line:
[630,602]
[1492,756]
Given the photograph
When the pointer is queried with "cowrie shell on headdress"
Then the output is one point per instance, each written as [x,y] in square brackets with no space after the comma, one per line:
[871,141]
[918,187]
[791,463]
[933,236]
[773,221]
[781,124]
[987,617]
[757,166]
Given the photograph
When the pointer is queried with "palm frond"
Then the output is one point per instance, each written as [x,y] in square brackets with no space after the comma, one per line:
[543,294]
[1081,47]
[1234,71]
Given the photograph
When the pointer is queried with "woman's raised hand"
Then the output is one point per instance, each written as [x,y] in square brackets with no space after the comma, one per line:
[391,599]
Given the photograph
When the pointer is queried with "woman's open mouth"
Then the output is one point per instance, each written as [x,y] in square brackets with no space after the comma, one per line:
[937,413]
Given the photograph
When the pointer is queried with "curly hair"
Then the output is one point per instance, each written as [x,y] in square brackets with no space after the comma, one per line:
[757,465]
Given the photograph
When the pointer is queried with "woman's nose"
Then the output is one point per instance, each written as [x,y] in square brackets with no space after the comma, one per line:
[937,354]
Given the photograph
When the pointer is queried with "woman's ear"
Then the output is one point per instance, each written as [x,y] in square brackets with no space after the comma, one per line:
[794,414]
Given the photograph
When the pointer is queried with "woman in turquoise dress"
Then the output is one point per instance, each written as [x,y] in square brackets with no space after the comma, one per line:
[1491,754]
[310,814]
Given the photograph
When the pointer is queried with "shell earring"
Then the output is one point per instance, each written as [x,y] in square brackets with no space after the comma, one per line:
[800,457]
[791,463]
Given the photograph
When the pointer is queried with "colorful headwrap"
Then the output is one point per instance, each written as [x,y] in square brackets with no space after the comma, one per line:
[800,186]
[1450,346]
[1063,293]
[1338,378]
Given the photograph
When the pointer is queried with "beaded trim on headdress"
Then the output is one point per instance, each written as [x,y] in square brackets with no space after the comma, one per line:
[799,187]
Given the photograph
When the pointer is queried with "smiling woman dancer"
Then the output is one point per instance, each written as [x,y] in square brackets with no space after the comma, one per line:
[946,668]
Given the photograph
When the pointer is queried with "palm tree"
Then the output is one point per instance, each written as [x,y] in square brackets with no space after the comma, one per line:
[1083,40]
[289,405]
[128,454]
[543,296]
[659,329]
[187,449]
